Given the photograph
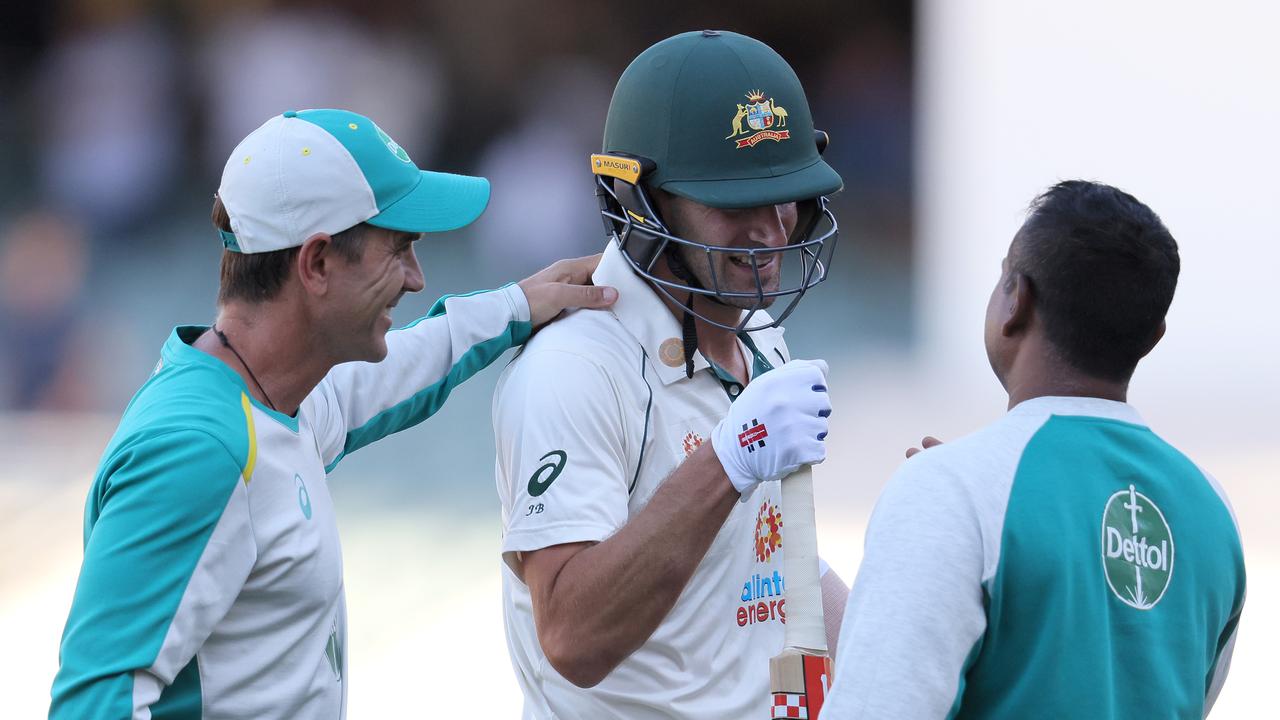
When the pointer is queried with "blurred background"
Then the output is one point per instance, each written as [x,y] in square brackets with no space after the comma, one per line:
[946,119]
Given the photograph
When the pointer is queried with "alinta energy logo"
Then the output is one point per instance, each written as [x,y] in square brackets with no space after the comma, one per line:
[762,595]
[768,531]
[1137,549]
[691,442]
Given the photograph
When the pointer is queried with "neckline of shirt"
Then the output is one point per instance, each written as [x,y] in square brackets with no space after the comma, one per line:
[179,351]
[644,315]
[1076,405]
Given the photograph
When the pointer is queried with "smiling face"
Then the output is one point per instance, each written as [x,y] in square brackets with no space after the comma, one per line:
[364,290]
[764,227]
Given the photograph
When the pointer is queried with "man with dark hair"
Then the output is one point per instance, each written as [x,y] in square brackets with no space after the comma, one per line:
[212,576]
[1064,561]
[1104,269]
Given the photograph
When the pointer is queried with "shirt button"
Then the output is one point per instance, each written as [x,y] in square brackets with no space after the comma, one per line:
[734,389]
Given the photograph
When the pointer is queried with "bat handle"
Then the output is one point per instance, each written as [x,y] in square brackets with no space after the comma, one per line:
[805,628]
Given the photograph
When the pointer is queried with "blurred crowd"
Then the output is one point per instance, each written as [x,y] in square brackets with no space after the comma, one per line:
[120,113]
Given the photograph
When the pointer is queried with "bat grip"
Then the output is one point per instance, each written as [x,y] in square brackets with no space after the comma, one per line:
[805,628]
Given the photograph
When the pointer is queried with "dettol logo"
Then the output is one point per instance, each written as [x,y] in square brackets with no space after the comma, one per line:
[1137,549]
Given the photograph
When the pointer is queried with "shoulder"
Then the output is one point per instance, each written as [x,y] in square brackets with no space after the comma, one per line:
[1201,488]
[187,408]
[594,335]
[583,364]
[975,470]
[992,448]
[577,351]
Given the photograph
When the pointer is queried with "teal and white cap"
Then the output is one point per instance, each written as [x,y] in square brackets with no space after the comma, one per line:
[325,171]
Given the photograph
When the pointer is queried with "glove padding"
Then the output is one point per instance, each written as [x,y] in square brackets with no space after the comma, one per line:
[776,425]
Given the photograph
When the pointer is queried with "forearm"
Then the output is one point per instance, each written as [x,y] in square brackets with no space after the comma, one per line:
[587,623]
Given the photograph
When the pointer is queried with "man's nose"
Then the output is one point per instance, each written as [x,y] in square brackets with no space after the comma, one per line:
[414,280]
[767,226]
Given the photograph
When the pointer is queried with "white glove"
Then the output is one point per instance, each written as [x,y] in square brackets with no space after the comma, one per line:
[776,425]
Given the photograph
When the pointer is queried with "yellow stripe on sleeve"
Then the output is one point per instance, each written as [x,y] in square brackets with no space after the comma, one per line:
[253,437]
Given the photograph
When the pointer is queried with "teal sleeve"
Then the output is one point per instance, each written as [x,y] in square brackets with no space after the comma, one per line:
[359,403]
[155,505]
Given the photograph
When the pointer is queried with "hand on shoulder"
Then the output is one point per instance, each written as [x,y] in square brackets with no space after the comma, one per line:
[928,442]
[562,285]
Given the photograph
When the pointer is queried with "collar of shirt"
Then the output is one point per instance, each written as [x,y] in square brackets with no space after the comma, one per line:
[1086,406]
[647,318]
[179,350]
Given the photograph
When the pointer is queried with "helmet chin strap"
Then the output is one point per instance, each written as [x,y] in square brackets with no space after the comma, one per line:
[690,336]
[689,322]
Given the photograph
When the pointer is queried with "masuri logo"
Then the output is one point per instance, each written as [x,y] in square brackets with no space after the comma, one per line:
[1137,549]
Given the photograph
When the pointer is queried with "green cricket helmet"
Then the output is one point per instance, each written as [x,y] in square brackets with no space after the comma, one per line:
[721,119]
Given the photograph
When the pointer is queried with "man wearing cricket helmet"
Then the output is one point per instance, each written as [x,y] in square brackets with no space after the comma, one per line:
[638,448]
[212,577]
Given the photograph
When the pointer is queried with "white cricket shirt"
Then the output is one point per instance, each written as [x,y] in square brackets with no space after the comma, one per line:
[590,419]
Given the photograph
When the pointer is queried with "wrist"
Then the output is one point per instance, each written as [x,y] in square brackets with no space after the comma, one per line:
[708,466]
[518,299]
[727,462]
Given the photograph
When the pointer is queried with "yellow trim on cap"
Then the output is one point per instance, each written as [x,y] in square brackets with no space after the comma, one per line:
[623,168]
[253,438]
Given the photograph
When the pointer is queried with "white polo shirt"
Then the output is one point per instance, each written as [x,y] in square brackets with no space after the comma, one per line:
[590,419]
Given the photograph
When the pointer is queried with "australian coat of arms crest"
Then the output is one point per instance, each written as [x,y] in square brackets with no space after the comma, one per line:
[757,120]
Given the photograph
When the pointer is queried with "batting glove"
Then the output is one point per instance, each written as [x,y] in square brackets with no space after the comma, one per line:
[776,425]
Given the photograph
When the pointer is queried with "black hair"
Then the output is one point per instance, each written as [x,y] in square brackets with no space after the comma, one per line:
[1103,269]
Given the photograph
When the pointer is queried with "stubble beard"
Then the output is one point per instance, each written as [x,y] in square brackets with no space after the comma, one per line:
[699,265]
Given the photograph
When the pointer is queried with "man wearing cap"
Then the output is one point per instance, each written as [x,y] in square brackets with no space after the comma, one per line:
[212,577]
[642,533]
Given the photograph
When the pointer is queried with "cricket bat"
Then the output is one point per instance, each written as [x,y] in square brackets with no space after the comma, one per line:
[801,674]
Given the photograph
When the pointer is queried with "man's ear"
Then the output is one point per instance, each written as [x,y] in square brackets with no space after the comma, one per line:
[1155,338]
[1021,306]
[315,262]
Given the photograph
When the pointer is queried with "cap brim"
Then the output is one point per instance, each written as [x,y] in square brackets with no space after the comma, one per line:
[438,203]
[809,182]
